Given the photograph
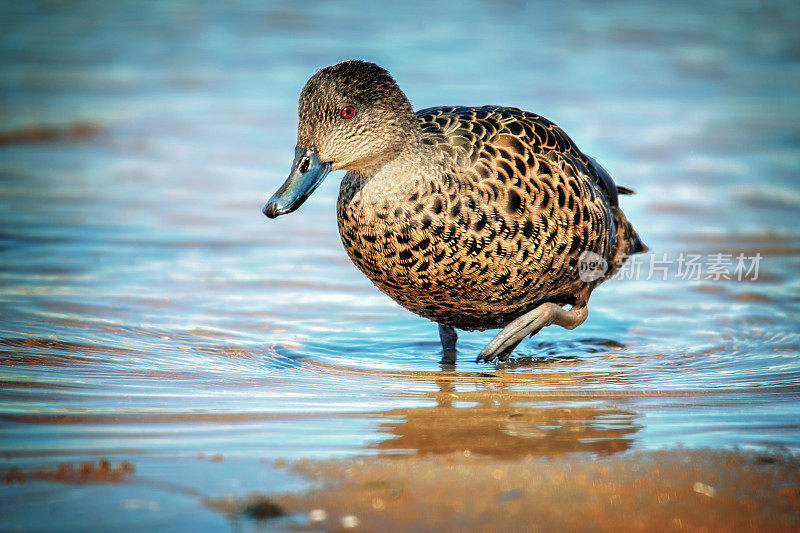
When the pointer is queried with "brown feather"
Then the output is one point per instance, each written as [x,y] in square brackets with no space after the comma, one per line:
[491,226]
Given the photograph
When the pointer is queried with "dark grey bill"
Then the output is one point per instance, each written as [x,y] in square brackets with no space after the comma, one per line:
[307,173]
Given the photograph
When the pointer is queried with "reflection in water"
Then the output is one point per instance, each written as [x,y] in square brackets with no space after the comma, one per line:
[503,423]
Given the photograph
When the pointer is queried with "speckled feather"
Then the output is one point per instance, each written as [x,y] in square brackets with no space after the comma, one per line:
[475,218]
[489,223]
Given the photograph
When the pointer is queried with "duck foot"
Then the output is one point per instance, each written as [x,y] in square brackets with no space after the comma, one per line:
[448,336]
[529,324]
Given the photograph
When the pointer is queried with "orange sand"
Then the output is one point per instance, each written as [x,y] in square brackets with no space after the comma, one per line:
[676,490]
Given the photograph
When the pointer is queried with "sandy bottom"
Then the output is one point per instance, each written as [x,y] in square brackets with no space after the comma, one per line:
[675,490]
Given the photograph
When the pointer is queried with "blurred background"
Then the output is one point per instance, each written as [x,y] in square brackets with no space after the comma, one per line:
[149,312]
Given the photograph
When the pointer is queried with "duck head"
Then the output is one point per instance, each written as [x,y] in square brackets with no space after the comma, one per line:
[352,116]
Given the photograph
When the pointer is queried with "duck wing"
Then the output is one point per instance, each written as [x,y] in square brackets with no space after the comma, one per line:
[475,128]
[524,203]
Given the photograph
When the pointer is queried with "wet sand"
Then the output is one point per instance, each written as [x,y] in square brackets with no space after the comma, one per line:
[46,133]
[678,489]
[668,490]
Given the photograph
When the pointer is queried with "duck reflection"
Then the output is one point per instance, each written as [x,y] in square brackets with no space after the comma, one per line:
[498,420]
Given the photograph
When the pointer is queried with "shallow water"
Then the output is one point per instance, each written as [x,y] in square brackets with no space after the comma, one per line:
[149,313]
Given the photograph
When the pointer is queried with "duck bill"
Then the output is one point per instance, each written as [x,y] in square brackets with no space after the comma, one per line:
[308,171]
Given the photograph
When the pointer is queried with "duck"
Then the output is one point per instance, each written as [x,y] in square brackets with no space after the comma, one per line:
[475,218]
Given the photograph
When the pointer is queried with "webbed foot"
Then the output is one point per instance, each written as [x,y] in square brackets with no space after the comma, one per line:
[530,323]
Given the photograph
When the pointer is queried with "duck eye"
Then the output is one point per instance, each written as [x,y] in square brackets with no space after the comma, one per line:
[348,112]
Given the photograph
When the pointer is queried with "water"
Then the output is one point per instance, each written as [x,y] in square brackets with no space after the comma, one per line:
[149,313]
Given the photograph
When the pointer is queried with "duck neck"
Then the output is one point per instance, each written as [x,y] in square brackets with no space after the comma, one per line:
[393,179]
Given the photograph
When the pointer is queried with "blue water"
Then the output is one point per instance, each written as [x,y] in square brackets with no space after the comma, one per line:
[150,313]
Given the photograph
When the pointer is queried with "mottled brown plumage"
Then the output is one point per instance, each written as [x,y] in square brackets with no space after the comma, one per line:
[471,217]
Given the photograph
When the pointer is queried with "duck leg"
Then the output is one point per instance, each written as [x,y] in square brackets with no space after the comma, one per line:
[448,336]
[529,324]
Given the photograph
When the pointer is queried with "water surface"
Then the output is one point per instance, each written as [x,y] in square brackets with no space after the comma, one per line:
[149,313]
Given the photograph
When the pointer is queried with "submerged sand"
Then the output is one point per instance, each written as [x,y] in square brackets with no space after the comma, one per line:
[672,490]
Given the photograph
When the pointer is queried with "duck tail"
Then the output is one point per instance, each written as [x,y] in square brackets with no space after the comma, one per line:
[626,242]
[637,246]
